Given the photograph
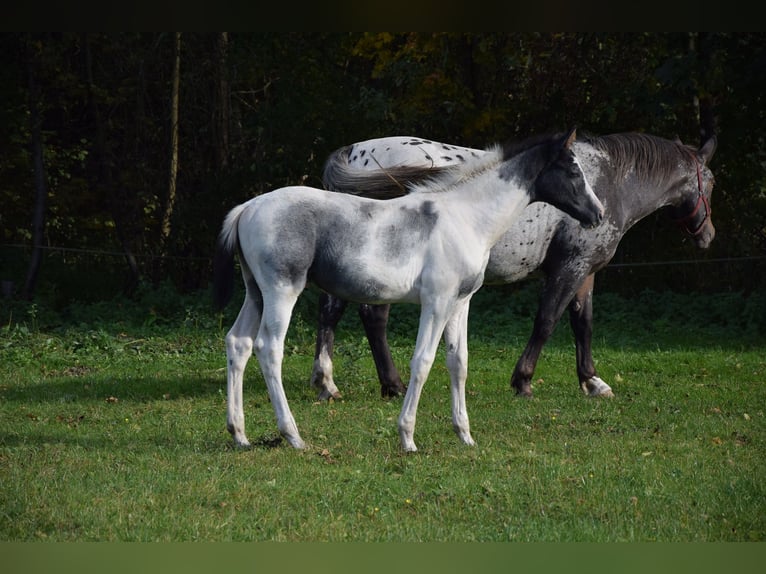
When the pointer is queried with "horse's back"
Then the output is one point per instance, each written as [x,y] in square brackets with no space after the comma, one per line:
[289,211]
[382,153]
[386,168]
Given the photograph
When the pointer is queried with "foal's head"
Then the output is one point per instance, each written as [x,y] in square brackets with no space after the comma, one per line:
[562,183]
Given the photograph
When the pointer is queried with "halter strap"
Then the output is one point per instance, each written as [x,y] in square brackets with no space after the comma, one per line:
[701,200]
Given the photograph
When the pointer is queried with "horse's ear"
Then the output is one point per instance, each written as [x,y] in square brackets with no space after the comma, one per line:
[708,149]
[571,137]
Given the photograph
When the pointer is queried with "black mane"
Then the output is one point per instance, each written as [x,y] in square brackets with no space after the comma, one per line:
[651,158]
[513,148]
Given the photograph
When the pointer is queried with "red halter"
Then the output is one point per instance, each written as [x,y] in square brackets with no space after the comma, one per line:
[701,200]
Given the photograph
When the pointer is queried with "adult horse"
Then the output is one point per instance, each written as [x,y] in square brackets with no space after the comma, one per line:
[428,247]
[633,175]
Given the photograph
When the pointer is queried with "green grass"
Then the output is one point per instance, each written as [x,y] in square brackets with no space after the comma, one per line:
[112,427]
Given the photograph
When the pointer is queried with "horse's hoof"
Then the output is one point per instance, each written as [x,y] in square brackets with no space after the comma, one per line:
[326,395]
[393,391]
[524,392]
[468,440]
[522,388]
[595,387]
[296,443]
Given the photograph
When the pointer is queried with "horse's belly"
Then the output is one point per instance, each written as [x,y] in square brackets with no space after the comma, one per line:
[366,284]
[522,249]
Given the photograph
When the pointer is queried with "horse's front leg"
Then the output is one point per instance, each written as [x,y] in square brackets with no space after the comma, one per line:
[456,343]
[330,312]
[432,321]
[581,320]
[557,293]
[375,318]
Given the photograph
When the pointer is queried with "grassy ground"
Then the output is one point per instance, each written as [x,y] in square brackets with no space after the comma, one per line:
[112,428]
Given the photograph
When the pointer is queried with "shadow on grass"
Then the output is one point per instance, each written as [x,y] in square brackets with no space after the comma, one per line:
[101,387]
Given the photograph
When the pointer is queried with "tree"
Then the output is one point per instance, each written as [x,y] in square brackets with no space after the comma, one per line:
[40,184]
[167,215]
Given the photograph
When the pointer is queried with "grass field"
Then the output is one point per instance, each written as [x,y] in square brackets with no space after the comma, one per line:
[112,428]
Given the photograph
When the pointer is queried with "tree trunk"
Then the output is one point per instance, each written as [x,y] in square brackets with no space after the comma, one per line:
[40,185]
[221,113]
[165,228]
[706,101]
[702,101]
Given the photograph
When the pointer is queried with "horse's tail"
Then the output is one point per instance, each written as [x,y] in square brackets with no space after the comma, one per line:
[380,183]
[223,260]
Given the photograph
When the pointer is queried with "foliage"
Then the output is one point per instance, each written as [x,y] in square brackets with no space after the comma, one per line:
[259,111]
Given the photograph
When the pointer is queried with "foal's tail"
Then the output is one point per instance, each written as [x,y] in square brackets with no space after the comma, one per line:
[378,182]
[223,260]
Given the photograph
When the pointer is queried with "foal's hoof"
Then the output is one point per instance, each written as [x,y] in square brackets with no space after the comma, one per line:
[467,439]
[242,444]
[296,442]
[326,395]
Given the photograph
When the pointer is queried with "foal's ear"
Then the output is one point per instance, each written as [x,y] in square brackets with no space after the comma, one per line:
[708,149]
[571,137]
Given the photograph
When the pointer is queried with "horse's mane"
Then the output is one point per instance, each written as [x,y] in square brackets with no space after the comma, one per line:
[389,182]
[445,178]
[448,177]
[650,157]
[396,181]
[383,183]
[515,147]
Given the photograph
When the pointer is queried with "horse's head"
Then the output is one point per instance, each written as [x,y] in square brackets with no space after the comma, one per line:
[563,184]
[693,213]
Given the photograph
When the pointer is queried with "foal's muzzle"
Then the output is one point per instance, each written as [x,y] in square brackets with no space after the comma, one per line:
[593,221]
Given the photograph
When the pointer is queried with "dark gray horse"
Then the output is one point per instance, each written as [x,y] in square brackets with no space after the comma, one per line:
[633,175]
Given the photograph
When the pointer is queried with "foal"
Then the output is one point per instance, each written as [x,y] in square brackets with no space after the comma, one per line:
[429,247]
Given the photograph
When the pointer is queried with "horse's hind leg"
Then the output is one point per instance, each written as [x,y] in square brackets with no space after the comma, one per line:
[375,318]
[581,320]
[239,348]
[269,348]
[330,311]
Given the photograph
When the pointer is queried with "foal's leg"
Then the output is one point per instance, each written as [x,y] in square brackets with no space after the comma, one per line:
[269,348]
[239,348]
[330,311]
[581,320]
[432,322]
[375,318]
[456,343]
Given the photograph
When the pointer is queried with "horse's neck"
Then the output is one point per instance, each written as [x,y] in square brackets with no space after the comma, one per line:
[489,203]
[628,197]
[641,198]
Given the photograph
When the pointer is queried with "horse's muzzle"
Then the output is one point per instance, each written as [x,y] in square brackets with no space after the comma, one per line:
[594,221]
[705,235]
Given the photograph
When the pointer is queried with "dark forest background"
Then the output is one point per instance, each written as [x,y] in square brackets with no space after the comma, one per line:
[121,153]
